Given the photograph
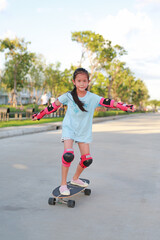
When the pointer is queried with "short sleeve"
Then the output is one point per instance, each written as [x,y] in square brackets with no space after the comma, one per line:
[97,100]
[63,99]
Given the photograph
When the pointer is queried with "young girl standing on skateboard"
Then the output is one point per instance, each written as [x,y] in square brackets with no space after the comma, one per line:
[77,124]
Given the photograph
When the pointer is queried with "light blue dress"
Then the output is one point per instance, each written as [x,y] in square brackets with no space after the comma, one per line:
[77,125]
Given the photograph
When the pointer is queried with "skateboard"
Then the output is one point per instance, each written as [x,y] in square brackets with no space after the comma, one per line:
[74,190]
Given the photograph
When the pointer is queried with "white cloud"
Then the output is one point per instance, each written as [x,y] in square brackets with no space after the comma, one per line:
[125,25]
[43,10]
[139,35]
[134,31]
[143,3]
[47,10]
[8,34]
[84,17]
[3,5]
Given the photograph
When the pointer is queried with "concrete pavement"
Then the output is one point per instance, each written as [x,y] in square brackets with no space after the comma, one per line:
[125,183]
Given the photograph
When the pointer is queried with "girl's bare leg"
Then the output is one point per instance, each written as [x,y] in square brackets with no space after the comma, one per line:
[67,145]
[84,149]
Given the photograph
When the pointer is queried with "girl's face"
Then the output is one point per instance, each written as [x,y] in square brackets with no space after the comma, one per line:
[81,82]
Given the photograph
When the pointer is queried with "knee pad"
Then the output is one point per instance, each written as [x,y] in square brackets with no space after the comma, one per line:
[86,160]
[67,157]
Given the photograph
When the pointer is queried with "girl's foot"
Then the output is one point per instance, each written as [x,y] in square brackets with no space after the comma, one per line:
[79,182]
[64,190]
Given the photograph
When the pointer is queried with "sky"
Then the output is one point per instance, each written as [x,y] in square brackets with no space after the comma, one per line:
[48,25]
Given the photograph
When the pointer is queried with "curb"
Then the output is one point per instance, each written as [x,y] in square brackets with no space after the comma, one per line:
[23,130]
[31,129]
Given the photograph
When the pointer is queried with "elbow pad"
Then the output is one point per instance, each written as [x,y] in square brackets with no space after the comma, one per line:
[107,102]
[50,109]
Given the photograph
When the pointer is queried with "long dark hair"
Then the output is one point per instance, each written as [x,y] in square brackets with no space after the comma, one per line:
[74,92]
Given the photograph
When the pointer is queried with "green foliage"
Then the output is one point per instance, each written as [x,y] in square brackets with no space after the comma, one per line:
[36,72]
[122,85]
[100,85]
[139,93]
[53,78]
[17,65]
[58,81]
[16,71]
[154,102]
[66,78]
[11,45]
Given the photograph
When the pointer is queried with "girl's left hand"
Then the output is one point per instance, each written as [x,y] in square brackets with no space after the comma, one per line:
[131,108]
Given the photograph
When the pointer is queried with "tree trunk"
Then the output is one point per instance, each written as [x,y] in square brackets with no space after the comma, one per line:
[15,89]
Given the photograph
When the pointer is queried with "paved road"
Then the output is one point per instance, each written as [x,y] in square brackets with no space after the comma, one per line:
[125,183]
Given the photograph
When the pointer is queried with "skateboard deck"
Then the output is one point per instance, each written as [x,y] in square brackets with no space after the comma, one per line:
[74,190]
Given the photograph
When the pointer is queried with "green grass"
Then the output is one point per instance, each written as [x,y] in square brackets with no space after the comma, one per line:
[13,123]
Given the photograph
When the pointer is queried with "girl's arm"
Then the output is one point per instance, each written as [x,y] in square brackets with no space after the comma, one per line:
[50,109]
[111,103]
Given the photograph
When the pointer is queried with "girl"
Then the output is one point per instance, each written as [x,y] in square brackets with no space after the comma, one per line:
[77,124]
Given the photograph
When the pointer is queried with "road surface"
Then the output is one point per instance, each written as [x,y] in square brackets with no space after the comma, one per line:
[125,183]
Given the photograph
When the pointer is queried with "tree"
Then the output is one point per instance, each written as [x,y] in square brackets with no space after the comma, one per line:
[53,79]
[17,65]
[100,85]
[123,85]
[155,103]
[99,52]
[36,77]
[66,78]
[113,70]
[139,94]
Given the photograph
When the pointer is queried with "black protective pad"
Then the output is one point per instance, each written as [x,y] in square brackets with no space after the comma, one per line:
[107,101]
[73,189]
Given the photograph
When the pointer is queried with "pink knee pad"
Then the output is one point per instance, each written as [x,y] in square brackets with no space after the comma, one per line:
[67,157]
[86,160]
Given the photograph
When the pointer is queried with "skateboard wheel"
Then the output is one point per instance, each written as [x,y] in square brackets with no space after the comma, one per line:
[87,192]
[71,203]
[52,201]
